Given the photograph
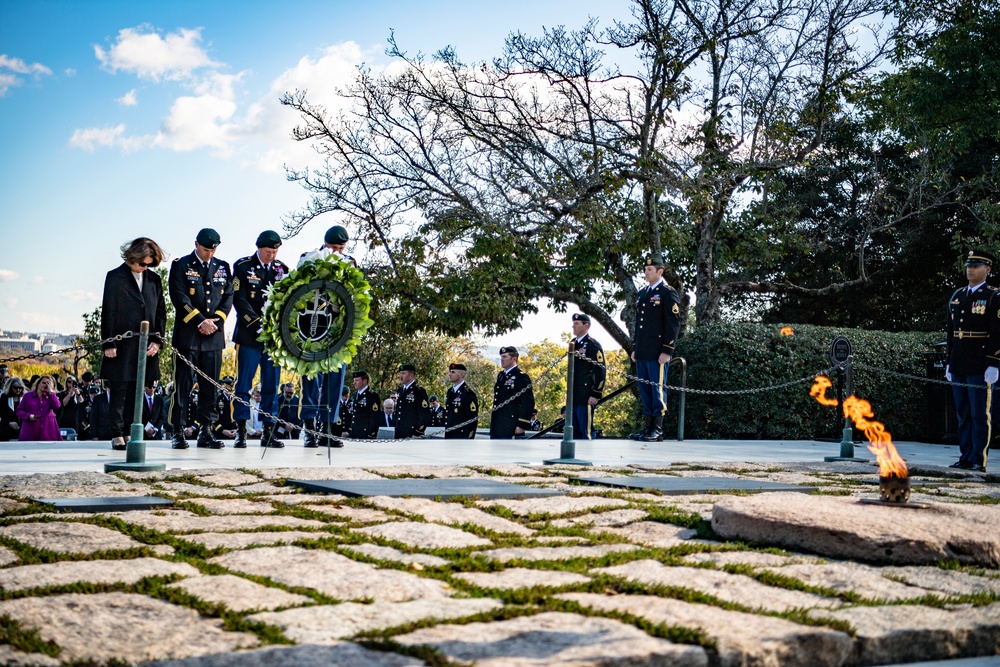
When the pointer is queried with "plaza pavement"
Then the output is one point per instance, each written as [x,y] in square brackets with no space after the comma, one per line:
[248,570]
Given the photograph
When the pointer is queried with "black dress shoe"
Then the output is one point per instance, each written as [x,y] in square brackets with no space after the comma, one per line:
[207,439]
[965,465]
[979,469]
[957,464]
[178,441]
[275,444]
[119,446]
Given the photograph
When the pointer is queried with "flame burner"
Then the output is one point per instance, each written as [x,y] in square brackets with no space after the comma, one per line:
[894,489]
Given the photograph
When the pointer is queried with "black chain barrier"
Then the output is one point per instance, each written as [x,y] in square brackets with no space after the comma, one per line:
[85,346]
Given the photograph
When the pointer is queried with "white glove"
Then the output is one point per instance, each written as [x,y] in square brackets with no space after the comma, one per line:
[992,374]
[947,373]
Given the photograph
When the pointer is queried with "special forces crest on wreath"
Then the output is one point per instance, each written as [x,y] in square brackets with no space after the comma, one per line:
[316,316]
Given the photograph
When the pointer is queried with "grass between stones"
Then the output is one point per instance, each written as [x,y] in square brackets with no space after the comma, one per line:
[26,640]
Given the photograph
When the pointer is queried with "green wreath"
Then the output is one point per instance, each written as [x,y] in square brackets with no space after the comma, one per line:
[313,357]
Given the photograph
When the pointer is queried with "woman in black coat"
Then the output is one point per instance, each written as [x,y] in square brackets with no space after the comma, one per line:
[132,294]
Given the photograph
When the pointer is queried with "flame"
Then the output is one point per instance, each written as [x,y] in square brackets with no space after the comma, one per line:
[787,331]
[818,391]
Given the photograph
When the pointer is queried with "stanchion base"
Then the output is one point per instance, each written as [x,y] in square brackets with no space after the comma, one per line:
[846,458]
[572,462]
[134,467]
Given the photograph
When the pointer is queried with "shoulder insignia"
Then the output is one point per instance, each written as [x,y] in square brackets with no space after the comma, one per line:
[236,284]
[676,309]
[374,407]
[600,357]
[423,404]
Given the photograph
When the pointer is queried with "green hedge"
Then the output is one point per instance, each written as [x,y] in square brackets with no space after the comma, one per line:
[746,356]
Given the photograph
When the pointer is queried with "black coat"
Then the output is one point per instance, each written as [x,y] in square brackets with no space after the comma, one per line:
[517,413]
[413,413]
[366,414]
[250,279]
[157,416]
[461,406]
[100,417]
[197,298]
[657,322]
[123,309]
[8,415]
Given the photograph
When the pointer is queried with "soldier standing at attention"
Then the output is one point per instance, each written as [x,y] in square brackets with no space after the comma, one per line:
[460,405]
[588,378]
[513,418]
[657,322]
[366,408]
[974,358]
[253,275]
[413,413]
[201,289]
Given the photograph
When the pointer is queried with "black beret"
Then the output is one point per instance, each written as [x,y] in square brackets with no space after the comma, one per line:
[581,317]
[208,238]
[654,261]
[269,239]
[336,235]
[360,374]
[978,256]
[229,379]
[457,367]
[510,349]
[408,367]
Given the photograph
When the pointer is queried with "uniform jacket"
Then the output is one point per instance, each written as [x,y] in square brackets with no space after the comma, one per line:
[197,298]
[973,330]
[438,416]
[250,279]
[366,414]
[657,322]
[413,413]
[123,309]
[461,406]
[224,404]
[588,378]
[517,413]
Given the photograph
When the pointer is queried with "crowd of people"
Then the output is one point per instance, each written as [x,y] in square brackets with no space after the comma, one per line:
[204,290]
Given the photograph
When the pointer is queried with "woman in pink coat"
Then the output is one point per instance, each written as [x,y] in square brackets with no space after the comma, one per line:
[38,412]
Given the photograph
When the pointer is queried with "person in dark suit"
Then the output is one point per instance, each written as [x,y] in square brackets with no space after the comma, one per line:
[154,414]
[100,413]
[588,378]
[366,408]
[132,294]
[388,418]
[201,289]
[657,323]
[512,417]
[251,277]
[460,404]
[413,414]
[289,417]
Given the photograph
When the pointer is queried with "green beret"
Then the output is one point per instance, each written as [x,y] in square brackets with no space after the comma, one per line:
[510,349]
[336,235]
[269,239]
[208,238]
[408,367]
[654,261]
[581,317]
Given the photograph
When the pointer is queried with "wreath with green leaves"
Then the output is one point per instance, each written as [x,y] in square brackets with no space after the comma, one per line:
[316,316]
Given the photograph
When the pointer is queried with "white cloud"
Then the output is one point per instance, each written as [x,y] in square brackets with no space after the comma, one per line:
[80,295]
[110,137]
[10,302]
[36,280]
[129,99]
[6,275]
[148,55]
[35,318]
[18,66]
[69,71]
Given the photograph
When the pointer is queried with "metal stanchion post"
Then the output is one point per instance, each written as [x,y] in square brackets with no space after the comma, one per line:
[567,449]
[847,442]
[135,453]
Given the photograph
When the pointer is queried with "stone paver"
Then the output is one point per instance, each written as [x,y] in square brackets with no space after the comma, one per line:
[614,518]
[310,655]
[292,497]
[69,538]
[520,577]
[946,581]
[232,506]
[751,558]
[331,573]
[350,514]
[217,477]
[911,633]
[11,658]
[74,484]
[736,588]
[9,504]
[179,521]
[244,540]
[239,594]
[555,505]
[654,534]
[741,639]
[841,527]
[395,555]
[263,487]
[551,553]
[328,623]
[7,556]
[556,640]
[450,513]
[185,489]
[868,582]
[427,472]
[425,535]
[91,627]
[23,577]
[317,473]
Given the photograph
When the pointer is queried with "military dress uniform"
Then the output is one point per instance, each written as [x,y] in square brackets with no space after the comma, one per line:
[973,346]
[461,405]
[413,414]
[515,414]
[588,382]
[366,414]
[251,279]
[657,323]
[438,417]
[199,292]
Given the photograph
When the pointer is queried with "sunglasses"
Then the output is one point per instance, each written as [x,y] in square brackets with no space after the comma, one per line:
[147,264]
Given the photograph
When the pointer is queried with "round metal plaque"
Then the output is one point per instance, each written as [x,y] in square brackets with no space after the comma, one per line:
[317,320]
[840,350]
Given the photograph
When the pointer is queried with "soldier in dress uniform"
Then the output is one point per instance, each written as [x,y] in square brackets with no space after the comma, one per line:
[588,378]
[413,413]
[201,289]
[461,404]
[252,276]
[437,412]
[657,323]
[974,358]
[225,427]
[344,414]
[512,419]
[366,408]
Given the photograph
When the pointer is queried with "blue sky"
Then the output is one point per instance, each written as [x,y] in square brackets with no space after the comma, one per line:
[156,118]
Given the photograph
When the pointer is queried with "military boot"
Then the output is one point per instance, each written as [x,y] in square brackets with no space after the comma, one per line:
[655,434]
[241,434]
[638,435]
[207,439]
[266,434]
[308,439]
[178,441]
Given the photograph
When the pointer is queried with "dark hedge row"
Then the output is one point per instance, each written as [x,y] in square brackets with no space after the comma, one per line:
[746,356]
